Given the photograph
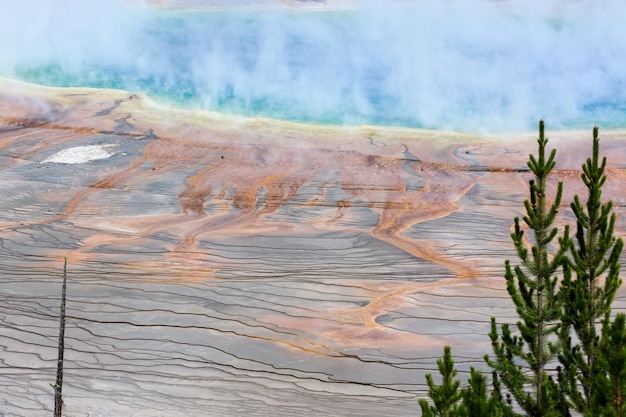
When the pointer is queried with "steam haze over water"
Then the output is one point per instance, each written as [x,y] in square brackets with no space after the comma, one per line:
[460,65]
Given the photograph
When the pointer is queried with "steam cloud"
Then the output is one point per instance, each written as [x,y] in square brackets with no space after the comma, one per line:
[463,65]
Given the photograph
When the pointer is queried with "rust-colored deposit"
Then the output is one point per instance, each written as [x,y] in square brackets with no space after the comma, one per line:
[280,243]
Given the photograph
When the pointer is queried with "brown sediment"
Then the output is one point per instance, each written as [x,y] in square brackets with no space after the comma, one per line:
[214,245]
[435,200]
[235,162]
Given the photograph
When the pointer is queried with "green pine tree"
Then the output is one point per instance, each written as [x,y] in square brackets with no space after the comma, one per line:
[610,375]
[479,402]
[447,396]
[586,299]
[520,360]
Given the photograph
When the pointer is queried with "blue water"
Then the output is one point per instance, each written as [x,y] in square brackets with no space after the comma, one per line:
[462,67]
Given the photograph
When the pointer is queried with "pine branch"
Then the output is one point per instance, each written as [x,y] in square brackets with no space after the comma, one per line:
[447,396]
[594,255]
[520,360]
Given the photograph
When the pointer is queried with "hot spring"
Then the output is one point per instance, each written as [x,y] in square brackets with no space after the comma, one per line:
[454,65]
[226,266]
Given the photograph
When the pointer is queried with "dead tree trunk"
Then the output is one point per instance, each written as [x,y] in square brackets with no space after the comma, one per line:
[58,386]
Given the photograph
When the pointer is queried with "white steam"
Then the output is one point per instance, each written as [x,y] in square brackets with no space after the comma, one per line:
[468,65]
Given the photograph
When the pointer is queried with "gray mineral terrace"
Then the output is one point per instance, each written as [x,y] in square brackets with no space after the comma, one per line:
[223,266]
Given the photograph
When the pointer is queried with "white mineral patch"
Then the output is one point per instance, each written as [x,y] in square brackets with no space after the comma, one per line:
[80,154]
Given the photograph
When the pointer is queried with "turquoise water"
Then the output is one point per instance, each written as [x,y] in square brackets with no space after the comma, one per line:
[444,67]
